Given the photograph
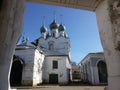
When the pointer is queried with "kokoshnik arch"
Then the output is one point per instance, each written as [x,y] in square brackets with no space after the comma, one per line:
[108,18]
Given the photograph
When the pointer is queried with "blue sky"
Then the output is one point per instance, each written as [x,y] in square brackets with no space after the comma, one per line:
[81,27]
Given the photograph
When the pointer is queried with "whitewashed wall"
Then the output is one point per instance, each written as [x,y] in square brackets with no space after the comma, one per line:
[32,74]
[61,44]
[28,56]
[61,71]
[37,71]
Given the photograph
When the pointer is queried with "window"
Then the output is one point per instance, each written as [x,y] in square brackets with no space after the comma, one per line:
[53,34]
[55,64]
[50,46]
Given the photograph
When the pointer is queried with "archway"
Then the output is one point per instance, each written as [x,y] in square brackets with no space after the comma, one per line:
[102,72]
[16,72]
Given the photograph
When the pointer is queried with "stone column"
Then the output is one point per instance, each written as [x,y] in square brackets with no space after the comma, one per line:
[108,16]
[11,21]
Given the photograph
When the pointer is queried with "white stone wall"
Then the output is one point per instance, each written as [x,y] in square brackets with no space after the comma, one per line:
[61,44]
[108,19]
[33,59]
[95,79]
[37,72]
[28,56]
[61,71]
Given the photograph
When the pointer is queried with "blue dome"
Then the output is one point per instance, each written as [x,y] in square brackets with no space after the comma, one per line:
[43,29]
[53,25]
[61,27]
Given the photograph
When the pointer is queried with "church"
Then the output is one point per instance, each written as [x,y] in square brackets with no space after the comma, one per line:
[45,61]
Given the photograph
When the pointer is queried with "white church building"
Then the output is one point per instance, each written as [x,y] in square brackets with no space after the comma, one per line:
[45,61]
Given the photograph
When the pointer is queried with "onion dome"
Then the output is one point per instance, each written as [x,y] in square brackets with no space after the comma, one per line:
[61,28]
[53,25]
[43,29]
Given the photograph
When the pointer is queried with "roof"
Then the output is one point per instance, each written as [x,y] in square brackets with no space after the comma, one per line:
[52,53]
[61,27]
[43,29]
[26,45]
[47,52]
[54,25]
[91,54]
[90,5]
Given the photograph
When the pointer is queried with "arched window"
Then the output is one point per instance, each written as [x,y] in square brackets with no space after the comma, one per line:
[51,45]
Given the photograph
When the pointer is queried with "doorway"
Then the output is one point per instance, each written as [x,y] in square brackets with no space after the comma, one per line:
[16,73]
[102,72]
[53,78]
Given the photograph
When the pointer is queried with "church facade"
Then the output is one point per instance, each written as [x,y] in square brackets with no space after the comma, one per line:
[56,47]
[45,61]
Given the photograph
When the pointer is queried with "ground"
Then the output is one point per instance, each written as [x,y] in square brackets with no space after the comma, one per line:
[49,87]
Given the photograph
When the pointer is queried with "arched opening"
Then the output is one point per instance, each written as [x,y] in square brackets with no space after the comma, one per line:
[16,72]
[102,72]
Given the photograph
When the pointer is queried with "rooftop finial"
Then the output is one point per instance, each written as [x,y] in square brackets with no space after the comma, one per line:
[43,20]
[54,13]
[61,18]
[23,38]
[27,39]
